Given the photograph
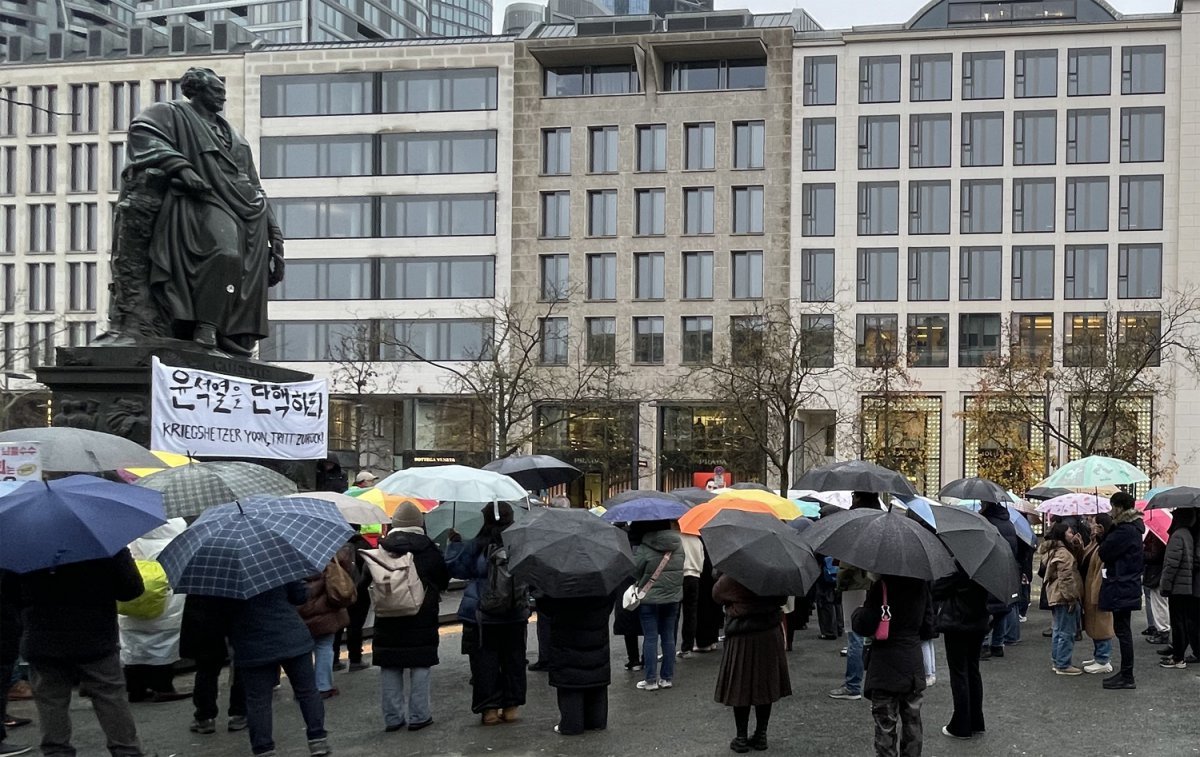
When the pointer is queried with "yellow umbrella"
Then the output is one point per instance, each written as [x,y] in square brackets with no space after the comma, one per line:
[389,502]
[785,509]
[169,459]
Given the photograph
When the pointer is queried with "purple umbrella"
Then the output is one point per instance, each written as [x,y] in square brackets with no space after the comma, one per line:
[1076,503]
[644,508]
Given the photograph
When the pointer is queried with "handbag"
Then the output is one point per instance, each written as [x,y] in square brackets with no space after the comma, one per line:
[633,596]
[885,617]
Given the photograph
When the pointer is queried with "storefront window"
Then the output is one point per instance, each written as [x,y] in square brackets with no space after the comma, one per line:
[699,439]
[904,433]
[600,441]
[1124,430]
[1000,443]
[441,431]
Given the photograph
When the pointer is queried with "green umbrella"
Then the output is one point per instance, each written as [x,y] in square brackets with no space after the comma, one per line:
[1095,471]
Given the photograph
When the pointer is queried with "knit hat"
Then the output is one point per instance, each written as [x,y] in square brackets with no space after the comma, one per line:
[408,515]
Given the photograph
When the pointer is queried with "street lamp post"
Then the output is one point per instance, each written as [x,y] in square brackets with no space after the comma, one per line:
[1058,443]
[1048,376]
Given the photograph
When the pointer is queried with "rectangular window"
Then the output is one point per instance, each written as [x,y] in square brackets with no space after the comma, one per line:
[325,217]
[433,339]
[876,339]
[747,274]
[576,81]
[602,212]
[1142,135]
[698,210]
[324,156]
[1087,135]
[556,215]
[817,340]
[351,280]
[929,140]
[8,171]
[43,113]
[1035,73]
[652,147]
[81,287]
[84,225]
[928,340]
[419,278]
[85,107]
[1139,271]
[705,75]
[1141,206]
[81,333]
[8,229]
[1033,205]
[746,335]
[648,275]
[83,167]
[1033,273]
[116,164]
[1034,336]
[1087,203]
[602,276]
[878,208]
[816,275]
[819,144]
[697,339]
[700,147]
[554,337]
[877,274]
[437,90]
[1143,70]
[928,274]
[820,80]
[749,144]
[329,94]
[601,341]
[980,273]
[982,139]
[929,207]
[983,76]
[879,79]
[602,149]
[978,339]
[438,215]
[697,276]
[1089,71]
[438,153]
[40,339]
[43,168]
[165,89]
[747,210]
[931,77]
[982,206]
[1085,340]
[555,280]
[40,288]
[307,341]
[1139,338]
[41,228]
[126,103]
[1085,272]
[1035,137]
[651,212]
[556,152]
[817,210]
[878,142]
[648,341]
[8,111]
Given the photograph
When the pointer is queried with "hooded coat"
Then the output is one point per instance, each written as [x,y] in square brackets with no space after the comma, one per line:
[154,641]
[412,641]
[579,654]
[1179,576]
[1122,554]
[669,586]
[1062,583]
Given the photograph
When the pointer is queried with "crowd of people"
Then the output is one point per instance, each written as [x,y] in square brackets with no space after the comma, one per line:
[1094,571]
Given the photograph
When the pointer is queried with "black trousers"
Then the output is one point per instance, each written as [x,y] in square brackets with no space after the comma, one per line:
[687,621]
[1121,619]
[829,609]
[966,686]
[582,710]
[353,633]
[633,648]
[1185,625]
[497,655]
[207,688]
[709,615]
[143,681]
[544,621]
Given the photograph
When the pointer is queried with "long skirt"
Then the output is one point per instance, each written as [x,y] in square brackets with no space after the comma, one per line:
[754,669]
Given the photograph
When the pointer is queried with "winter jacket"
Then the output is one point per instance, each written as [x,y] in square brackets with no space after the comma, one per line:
[412,641]
[321,613]
[1153,554]
[669,586]
[998,516]
[1097,623]
[896,665]
[693,555]
[10,618]
[266,628]
[205,628]
[154,641]
[1121,552]
[1062,584]
[960,604]
[468,561]
[745,611]
[1179,565]
[70,612]
[579,652]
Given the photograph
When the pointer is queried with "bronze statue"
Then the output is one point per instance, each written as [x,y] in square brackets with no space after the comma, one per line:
[195,243]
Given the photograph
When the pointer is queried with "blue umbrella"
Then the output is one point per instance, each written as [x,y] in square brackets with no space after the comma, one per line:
[920,506]
[644,508]
[73,519]
[1157,490]
[1024,530]
[245,548]
[8,487]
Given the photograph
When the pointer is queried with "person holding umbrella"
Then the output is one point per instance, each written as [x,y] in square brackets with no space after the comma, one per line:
[1181,585]
[578,659]
[962,619]
[852,585]
[1121,589]
[1097,623]
[1062,586]
[658,574]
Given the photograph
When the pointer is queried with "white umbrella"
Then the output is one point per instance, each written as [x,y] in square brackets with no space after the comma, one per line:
[453,483]
[356,511]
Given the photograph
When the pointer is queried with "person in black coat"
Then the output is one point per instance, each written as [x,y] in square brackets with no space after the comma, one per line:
[353,633]
[10,643]
[1121,589]
[203,638]
[410,642]
[578,658]
[1005,617]
[962,618]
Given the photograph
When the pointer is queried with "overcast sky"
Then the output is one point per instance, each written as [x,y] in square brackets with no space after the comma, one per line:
[839,14]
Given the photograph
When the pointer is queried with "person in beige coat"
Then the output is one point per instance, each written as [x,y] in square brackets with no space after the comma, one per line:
[1097,623]
[1064,587]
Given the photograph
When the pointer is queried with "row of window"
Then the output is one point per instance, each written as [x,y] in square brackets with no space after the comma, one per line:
[392,340]
[83,227]
[39,340]
[699,142]
[1085,273]
[678,76]
[696,279]
[416,278]
[650,212]
[40,287]
[1035,73]
[83,106]
[390,216]
[43,169]
[378,154]
[341,94]
[1035,139]
[981,209]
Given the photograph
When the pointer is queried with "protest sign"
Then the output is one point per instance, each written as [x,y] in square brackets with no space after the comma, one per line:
[20,461]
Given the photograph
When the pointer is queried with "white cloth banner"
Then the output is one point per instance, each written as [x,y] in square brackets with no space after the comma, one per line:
[201,414]
[20,461]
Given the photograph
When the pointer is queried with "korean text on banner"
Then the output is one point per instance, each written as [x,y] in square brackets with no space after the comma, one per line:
[201,413]
[20,461]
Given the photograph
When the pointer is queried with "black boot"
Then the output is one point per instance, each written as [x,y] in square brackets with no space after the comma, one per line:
[759,741]
[740,745]
[205,335]
[997,651]
[1120,682]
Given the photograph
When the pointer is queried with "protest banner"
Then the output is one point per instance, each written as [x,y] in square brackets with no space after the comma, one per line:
[20,461]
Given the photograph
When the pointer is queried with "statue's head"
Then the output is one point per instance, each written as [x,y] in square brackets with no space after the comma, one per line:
[203,87]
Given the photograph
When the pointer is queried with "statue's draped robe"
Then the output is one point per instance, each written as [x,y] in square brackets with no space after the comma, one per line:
[208,256]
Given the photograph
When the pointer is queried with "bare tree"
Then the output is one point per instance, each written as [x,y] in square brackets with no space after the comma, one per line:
[356,377]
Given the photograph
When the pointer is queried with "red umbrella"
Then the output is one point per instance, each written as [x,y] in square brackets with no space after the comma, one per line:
[1157,521]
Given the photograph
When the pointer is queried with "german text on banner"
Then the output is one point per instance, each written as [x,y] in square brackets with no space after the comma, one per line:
[202,414]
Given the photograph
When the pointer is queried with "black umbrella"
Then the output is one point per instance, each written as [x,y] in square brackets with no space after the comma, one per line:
[761,553]
[632,494]
[1180,496]
[881,542]
[857,476]
[752,485]
[1046,492]
[569,553]
[694,495]
[535,471]
[974,488]
[980,550]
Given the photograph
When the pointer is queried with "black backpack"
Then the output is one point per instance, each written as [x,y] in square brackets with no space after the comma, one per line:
[504,594]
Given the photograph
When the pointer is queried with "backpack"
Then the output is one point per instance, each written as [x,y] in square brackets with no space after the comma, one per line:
[152,602]
[396,589]
[503,594]
[339,585]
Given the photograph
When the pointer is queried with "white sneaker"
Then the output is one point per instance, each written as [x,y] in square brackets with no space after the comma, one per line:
[647,686]
[930,680]
[1095,667]
[665,684]
[1087,662]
